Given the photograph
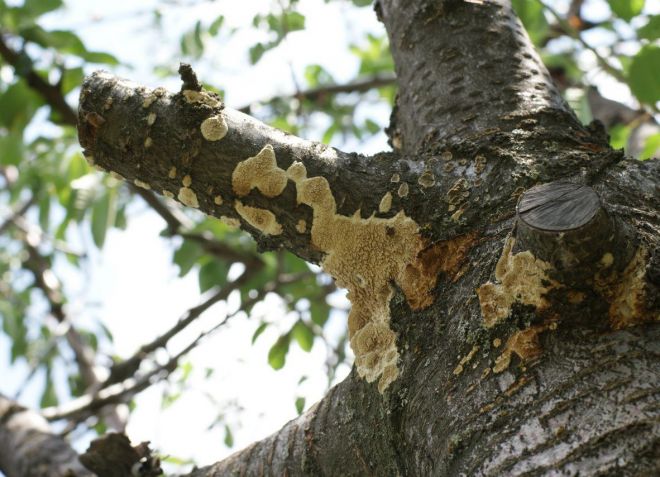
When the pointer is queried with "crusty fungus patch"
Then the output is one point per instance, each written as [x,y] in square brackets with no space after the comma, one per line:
[141,184]
[188,197]
[214,128]
[202,97]
[259,172]
[522,279]
[385,203]
[363,255]
[524,344]
[465,360]
[301,226]
[626,293]
[261,219]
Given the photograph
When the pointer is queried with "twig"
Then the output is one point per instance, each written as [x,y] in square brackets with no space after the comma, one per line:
[314,94]
[575,34]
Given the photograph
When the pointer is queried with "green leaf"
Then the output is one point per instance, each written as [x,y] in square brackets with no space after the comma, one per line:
[39,7]
[294,21]
[362,3]
[619,136]
[211,274]
[11,147]
[650,147]
[319,312]
[101,211]
[626,9]
[650,31]
[304,335]
[260,329]
[533,18]
[186,256]
[100,57]
[49,396]
[18,103]
[214,28]
[300,405]
[644,73]
[229,438]
[277,353]
[256,52]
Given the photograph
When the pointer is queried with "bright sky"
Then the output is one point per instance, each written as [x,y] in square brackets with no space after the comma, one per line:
[132,286]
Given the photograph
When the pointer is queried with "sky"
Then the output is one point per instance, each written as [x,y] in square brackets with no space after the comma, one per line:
[132,286]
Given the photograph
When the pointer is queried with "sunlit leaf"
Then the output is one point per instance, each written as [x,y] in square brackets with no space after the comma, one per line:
[277,353]
[211,274]
[303,335]
[229,438]
[300,405]
[650,31]
[626,9]
[260,329]
[644,73]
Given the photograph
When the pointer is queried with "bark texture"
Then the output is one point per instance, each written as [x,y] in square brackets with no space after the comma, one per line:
[524,343]
[29,449]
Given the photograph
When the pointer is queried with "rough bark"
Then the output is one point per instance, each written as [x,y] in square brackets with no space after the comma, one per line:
[29,449]
[505,363]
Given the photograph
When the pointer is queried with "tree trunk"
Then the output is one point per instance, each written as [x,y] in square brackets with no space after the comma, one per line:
[499,327]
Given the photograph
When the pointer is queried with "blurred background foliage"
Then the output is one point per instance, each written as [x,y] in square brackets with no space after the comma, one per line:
[55,209]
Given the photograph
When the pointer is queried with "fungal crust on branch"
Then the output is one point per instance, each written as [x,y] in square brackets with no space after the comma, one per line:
[363,255]
[260,172]
[522,278]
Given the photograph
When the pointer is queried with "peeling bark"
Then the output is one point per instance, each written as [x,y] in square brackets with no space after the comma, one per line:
[520,348]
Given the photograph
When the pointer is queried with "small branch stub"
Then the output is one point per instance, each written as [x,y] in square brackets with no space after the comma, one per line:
[565,224]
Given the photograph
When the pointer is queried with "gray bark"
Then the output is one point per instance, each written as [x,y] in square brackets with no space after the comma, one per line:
[508,366]
[28,448]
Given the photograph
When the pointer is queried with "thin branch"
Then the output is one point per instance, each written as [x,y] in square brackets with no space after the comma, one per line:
[51,93]
[575,34]
[122,392]
[130,366]
[315,94]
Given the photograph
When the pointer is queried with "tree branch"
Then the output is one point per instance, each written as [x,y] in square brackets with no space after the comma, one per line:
[483,73]
[28,446]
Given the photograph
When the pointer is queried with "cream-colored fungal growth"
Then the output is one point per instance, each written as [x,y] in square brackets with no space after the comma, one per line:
[149,100]
[385,203]
[141,184]
[626,292]
[363,255]
[395,178]
[214,128]
[186,181]
[217,200]
[202,97]
[403,189]
[426,180]
[259,172]
[168,194]
[151,119]
[188,197]
[522,278]
[465,360]
[172,173]
[148,143]
[479,164]
[301,226]
[261,219]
